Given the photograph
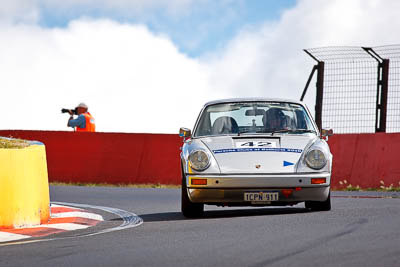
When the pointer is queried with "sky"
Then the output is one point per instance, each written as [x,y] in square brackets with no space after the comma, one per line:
[148,66]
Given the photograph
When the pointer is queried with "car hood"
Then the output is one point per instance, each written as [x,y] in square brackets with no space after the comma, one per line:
[261,154]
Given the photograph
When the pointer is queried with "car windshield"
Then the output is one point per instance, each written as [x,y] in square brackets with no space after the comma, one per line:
[253,118]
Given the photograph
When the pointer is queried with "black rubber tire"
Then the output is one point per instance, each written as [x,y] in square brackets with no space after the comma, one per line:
[188,208]
[319,205]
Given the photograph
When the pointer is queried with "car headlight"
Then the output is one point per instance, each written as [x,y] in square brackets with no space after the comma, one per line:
[199,160]
[315,159]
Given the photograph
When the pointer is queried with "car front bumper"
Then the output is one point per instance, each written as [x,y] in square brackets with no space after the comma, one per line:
[230,189]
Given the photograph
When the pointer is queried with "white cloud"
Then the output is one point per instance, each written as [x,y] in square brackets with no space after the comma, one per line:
[269,61]
[18,11]
[137,81]
[131,79]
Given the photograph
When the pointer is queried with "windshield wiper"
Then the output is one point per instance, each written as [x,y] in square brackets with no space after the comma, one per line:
[272,131]
[302,131]
[239,133]
[265,131]
[280,131]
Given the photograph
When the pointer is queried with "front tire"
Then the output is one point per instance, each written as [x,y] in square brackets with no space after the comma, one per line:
[319,205]
[188,208]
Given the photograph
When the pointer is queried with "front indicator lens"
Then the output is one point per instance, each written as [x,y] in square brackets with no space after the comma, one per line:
[199,160]
[198,181]
[315,159]
[318,180]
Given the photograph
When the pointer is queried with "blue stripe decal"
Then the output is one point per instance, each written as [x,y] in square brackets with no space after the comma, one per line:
[267,149]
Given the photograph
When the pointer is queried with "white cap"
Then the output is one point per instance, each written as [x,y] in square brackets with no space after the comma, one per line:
[82,105]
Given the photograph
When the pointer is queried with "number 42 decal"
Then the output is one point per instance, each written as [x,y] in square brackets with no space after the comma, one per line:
[256,144]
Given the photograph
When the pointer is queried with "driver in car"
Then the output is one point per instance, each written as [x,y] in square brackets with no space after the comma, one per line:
[274,119]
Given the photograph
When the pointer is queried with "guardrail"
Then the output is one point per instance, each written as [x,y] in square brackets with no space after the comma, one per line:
[121,158]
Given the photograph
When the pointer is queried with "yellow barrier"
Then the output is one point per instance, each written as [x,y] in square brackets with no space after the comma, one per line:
[24,187]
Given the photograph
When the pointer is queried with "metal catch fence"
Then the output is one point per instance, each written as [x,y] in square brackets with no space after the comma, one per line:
[358,88]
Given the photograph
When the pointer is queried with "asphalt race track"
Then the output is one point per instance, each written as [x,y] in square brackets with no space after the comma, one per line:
[363,229]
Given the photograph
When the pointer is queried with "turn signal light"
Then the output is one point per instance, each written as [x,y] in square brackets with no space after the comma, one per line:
[197,181]
[318,180]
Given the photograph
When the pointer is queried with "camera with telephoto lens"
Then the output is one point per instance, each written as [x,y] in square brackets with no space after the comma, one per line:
[65,110]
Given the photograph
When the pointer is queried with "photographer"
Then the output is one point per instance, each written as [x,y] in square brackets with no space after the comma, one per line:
[84,122]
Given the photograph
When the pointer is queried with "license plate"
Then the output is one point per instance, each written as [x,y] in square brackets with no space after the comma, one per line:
[261,196]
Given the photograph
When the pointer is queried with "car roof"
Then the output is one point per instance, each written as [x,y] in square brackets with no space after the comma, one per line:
[252,99]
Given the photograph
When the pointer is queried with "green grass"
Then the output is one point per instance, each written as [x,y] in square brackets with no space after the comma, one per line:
[13,143]
[116,185]
[344,186]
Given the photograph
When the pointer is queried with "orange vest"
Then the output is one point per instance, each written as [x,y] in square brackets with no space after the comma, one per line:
[90,125]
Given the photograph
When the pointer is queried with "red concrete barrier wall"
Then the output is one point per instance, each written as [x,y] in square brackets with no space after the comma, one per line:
[108,157]
[365,159]
[360,159]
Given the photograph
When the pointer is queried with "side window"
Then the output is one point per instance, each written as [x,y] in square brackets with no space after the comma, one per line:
[290,119]
[301,119]
[204,124]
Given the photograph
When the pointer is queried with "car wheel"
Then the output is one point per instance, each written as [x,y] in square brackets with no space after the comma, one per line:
[319,205]
[190,209]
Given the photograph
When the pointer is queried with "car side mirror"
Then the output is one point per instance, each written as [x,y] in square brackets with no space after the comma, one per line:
[185,132]
[325,133]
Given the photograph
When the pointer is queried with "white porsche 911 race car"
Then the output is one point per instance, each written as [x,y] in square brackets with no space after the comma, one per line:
[255,152]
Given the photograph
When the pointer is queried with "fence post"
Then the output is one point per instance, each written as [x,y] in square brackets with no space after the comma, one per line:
[381,90]
[383,85]
[308,82]
[320,94]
